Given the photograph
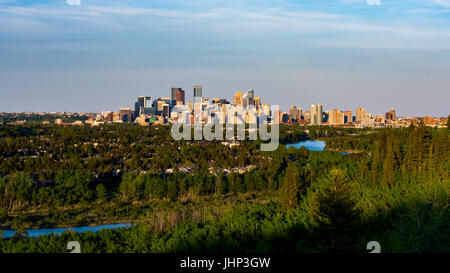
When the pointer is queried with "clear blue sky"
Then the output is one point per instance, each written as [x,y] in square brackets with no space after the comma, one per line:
[94,55]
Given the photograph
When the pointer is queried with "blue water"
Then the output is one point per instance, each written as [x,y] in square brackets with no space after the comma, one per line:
[312,145]
[45,231]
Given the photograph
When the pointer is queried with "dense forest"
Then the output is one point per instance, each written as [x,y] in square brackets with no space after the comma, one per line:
[195,196]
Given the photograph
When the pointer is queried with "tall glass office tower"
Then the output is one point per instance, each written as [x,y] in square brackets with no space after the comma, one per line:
[198,93]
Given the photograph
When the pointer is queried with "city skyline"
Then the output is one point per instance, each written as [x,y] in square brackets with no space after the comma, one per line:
[230,98]
[91,55]
[170,110]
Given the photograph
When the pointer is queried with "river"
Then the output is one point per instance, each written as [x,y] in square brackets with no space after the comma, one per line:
[312,145]
[45,231]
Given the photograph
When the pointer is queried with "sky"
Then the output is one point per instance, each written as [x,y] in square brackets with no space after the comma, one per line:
[98,55]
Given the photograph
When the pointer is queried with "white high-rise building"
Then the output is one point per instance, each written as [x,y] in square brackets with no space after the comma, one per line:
[316,114]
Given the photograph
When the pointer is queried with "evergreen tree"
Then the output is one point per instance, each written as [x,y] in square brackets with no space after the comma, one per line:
[289,190]
[363,168]
[101,192]
[172,189]
[376,160]
[337,216]
[389,165]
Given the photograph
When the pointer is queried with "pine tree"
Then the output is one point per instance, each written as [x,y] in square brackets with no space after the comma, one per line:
[337,216]
[363,169]
[101,192]
[376,158]
[289,190]
[389,165]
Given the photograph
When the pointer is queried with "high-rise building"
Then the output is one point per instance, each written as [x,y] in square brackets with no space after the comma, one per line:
[348,118]
[178,96]
[165,110]
[336,117]
[257,101]
[293,111]
[238,99]
[158,105]
[249,98]
[198,93]
[361,114]
[316,114]
[312,116]
[326,116]
[126,115]
[391,115]
[300,113]
[284,117]
[265,109]
[148,102]
[140,106]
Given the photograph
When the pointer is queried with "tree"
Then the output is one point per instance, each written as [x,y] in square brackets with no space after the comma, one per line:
[337,216]
[289,190]
[363,168]
[389,165]
[376,158]
[221,184]
[172,189]
[101,192]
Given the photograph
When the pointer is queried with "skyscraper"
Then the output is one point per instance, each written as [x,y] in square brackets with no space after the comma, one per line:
[249,98]
[198,93]
[348,118]
[165,110]
[316,114]
[300,113]
[238,99]
[391,115]
[293,111]
[361,114]
[140,106]
[336,117]
[158,105]
[178,96]
[257,101]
